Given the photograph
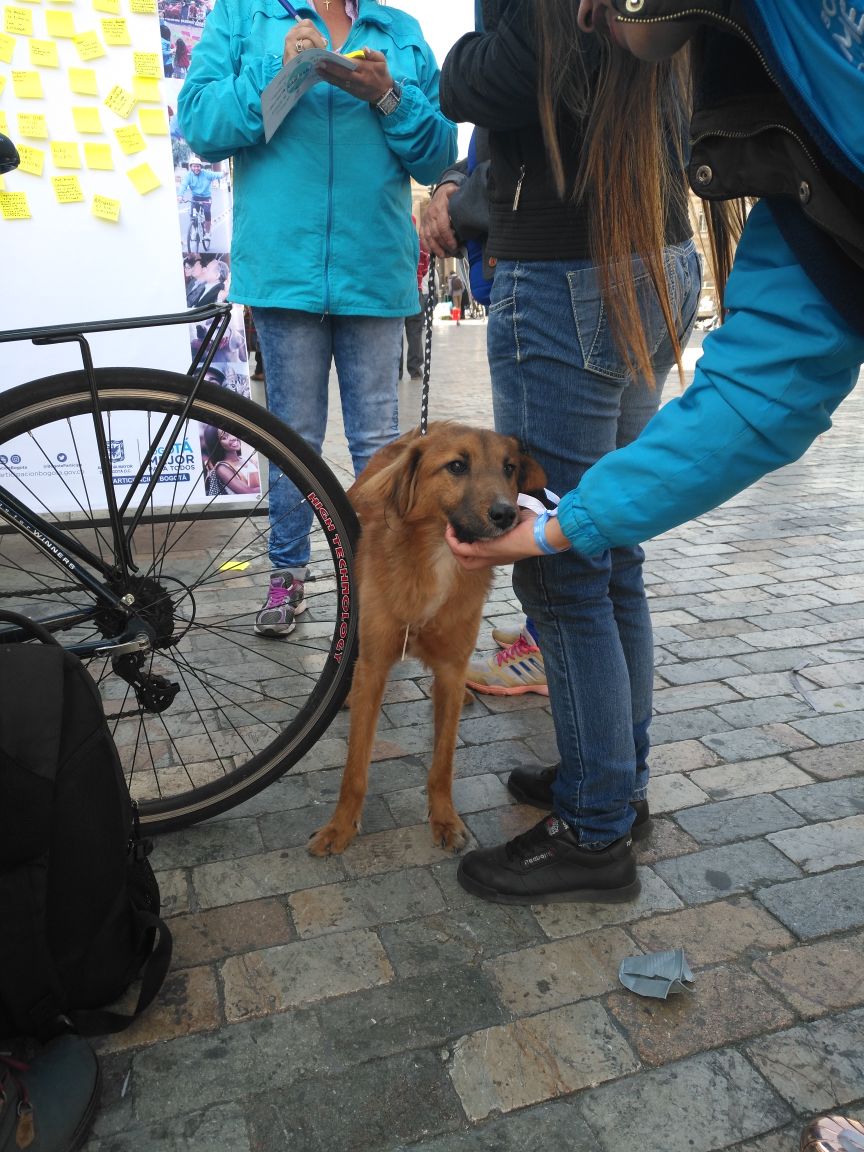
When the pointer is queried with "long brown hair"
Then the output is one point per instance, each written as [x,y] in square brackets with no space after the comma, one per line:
[631,166]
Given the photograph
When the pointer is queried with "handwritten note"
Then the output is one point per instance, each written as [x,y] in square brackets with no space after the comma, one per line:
[146,91]
[7,48]
[32,160]
[61,25]
[83,81]
[115,32]
[65,154]
[98,156]
[4,124]
[18,21]
[27,85]
[144,178]
[14,206]
[143,7]
[106,208]
[147,64]
[43,53]
[67,189]
[120,101]
[32,125]
[87,120]
[112,6]
[130,139]
[89,46]
[153,122]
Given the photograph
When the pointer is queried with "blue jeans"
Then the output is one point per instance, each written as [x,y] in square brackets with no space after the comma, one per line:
[298,349]
[561,386]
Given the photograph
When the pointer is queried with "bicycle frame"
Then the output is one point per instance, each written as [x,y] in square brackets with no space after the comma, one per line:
[52,540]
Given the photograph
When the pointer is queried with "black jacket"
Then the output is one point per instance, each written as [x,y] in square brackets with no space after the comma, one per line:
[490,79]
[749,138]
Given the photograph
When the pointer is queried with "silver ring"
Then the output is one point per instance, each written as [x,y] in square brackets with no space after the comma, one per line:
[297,44]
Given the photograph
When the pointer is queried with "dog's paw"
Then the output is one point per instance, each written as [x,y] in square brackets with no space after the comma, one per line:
[331,840]
[450,834]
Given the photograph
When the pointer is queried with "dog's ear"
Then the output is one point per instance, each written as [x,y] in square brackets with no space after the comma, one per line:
[390,479]
[531,475]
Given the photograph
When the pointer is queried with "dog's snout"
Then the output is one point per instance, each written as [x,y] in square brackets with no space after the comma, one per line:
[502,514]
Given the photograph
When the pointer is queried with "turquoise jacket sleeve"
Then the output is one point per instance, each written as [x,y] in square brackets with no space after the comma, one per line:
[417,132]
[765,387]
[219,107]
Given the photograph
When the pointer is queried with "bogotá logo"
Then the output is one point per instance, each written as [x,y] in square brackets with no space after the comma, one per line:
[116,451]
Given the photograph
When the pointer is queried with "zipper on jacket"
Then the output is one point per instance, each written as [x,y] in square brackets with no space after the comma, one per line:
[329,229]
[518,191]
[726,135]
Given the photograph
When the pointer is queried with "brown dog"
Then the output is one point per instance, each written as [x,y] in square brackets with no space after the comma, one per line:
[413,593]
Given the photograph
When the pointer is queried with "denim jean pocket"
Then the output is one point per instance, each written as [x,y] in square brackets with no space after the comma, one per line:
[598,348]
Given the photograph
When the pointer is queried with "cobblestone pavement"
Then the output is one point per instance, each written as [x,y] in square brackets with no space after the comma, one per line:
[365,1003]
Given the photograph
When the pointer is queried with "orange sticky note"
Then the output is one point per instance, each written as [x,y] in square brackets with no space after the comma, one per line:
[65,154]
[144,178]
[89,46]
[130,139]
[7,48]
[60,25]
[115,32]
[83,81]
[14,206]
[98,156]
[153,121]
[120,101]
[27,85]
[18,21]
[43,53]
[148,64]
[32,125]
[87,120]
[106,208]
[32,160]
[67,189]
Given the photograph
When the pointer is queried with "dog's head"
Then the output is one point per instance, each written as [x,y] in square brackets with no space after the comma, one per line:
[469,477]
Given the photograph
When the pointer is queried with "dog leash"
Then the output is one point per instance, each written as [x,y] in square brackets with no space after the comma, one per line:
[428,315]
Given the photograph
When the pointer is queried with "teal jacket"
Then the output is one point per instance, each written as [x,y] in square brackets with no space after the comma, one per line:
[322,214]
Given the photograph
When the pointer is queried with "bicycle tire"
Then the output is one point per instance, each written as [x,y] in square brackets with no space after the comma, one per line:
[205,242]
[291,688]
[193,236]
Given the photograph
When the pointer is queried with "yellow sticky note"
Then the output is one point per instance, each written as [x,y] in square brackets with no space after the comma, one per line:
[7,48]
[4,124]
[2,83]
[115,32]
[144,178]
[234,566]
[143,7]
[32,160]
[33,126]
[146,91]
[87,120]
[89,46]
[112,6]
[27,85]
[43,53]
[120,101]
[18,21]
[130,139]
[99,156]
[147,64]
[65,154]
[14,206]
[67,189]
[106,208]
[61,25]
[153,122]
[83,81]
[2,184]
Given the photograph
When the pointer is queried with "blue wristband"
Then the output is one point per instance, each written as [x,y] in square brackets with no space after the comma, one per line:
[540,535]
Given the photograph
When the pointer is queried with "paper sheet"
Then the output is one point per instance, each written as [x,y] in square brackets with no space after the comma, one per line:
[289,84]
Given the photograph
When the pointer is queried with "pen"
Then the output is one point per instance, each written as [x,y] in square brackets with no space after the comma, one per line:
[290,9]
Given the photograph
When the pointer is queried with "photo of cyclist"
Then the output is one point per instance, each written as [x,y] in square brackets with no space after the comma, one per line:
[198,182]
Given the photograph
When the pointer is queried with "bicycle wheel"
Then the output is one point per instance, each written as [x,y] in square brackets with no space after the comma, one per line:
[193,236]
[205,242]
[213,711]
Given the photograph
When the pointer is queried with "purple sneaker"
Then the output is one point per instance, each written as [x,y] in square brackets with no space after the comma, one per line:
[285,600]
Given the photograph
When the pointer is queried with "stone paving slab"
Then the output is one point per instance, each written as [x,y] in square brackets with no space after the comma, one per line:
[366,1003]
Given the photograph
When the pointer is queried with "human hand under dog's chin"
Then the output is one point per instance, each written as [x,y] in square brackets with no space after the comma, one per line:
[514,545]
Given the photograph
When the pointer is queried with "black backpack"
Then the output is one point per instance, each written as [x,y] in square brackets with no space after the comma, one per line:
[79,904]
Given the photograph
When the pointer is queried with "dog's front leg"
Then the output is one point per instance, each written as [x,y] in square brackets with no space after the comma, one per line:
[367,692]
[448,691]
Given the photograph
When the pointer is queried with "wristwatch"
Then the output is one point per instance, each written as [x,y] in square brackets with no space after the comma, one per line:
[389,102]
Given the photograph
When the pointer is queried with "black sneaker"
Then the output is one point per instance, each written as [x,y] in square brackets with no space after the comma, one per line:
[47,1102]
[546,866]
[535,788]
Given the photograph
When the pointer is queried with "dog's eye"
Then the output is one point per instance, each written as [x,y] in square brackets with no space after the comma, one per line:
[457,467]
[509,469]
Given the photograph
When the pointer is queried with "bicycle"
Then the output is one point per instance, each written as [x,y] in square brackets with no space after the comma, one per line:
[197,239]
[109,540]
